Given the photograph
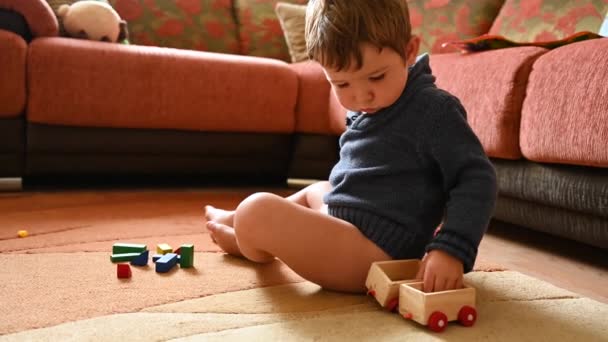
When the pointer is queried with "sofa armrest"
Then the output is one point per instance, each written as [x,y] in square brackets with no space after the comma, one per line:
[318,110]
[38,15]
[12,69]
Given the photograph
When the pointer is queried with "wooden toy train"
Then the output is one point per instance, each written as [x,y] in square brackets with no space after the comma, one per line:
[393,285]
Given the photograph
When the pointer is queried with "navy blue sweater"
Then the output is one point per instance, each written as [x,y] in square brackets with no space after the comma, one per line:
[411,165]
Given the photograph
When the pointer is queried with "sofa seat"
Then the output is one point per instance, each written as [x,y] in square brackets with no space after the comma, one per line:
[12,103]
[162,111]
[157,88]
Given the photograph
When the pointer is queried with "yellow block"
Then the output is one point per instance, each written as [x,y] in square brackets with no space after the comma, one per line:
[22,233]
[163,248]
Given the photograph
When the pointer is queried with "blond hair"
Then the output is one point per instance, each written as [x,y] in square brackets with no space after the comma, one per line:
[336,28]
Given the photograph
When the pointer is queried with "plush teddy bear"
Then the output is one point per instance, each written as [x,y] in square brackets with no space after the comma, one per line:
[93,20]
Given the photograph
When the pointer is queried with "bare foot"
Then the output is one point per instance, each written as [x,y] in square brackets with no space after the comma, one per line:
[225,217]
[224,236]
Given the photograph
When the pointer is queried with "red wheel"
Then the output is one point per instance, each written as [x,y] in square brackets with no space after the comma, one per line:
[438,321]
[467,316]
[392,304]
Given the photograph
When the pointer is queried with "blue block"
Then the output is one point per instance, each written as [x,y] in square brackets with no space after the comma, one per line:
[141,260]
[155,257]
[165,263]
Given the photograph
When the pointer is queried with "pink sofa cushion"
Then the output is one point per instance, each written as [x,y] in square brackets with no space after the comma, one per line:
[129,86]
[12,71]
[491,85]
[565,113]
[38,15]
[318,110]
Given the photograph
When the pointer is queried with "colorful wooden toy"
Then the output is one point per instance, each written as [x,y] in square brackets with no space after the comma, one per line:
[123,271]
[122,248]
[186,259]
[385,277]
[123,257]
[163,248]
[436,309]
[22,233]
[141,259]
[165,263]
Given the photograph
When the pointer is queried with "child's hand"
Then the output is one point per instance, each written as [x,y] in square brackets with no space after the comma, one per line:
[440,271]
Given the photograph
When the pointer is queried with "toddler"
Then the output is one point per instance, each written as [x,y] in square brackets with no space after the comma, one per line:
[408,162]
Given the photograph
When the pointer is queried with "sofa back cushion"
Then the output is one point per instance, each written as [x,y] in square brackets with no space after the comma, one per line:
[546,20]
[260,31]
[491,86]
[441,21]
[565,113]
[205,25]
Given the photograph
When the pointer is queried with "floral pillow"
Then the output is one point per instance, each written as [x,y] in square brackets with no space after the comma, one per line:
[548,20]
[442,21]
[206,25]
[260,30]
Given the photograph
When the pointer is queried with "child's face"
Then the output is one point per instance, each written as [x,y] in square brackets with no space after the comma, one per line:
[376,85]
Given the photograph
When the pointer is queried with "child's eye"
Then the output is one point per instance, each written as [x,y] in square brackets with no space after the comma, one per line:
[341,85]
[377,78]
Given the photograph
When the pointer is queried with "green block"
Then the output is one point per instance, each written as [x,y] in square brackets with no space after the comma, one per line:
[123,257]
[121,248]
[186,259]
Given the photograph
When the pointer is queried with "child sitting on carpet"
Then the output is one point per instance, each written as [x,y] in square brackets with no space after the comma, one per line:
[408,159]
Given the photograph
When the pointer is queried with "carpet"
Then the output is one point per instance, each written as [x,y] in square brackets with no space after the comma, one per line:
[58,283]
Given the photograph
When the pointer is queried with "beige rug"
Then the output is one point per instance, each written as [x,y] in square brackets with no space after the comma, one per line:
[59,285]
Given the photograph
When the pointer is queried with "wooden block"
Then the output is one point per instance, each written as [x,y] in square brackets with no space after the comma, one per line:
[163,248]
[141,259]
[123,257]
[165,263]
[121,248]
[436,309]
[155,257]
[385,277]
[187,256]
[123,271]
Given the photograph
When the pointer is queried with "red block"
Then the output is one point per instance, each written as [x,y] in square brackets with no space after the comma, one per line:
[123,271]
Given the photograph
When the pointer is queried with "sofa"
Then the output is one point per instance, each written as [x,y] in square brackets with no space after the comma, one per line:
[225,109]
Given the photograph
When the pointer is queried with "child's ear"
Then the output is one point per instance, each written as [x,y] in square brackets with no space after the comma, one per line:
[411,50]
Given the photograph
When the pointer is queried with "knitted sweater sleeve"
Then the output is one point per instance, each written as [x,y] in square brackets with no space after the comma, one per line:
[469,182]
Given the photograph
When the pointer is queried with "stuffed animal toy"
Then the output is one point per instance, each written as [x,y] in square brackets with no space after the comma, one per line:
[93,20]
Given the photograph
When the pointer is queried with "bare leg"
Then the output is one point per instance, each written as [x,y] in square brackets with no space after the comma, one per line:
[311,197]
[323,249]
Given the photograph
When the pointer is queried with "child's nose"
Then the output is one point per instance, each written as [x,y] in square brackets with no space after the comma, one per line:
[365,96]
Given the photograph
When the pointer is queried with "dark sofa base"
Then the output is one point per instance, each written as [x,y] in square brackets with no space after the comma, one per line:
[314,155]
[12,140]
[589,229]
[60,151]
[563,200]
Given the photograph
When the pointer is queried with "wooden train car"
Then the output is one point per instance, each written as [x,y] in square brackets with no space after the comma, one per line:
[436,309]
[385,277]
